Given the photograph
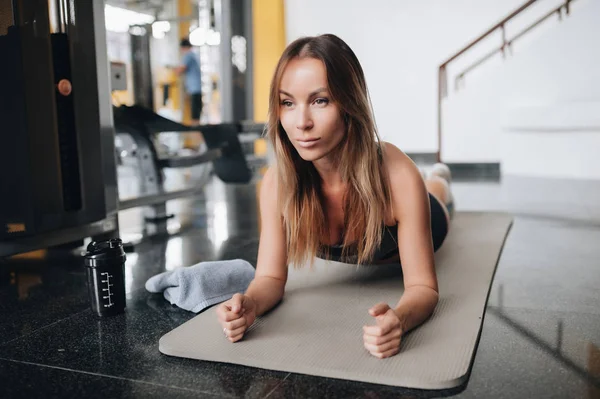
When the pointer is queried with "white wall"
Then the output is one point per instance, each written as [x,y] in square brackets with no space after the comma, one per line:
[538,112]
[401,43]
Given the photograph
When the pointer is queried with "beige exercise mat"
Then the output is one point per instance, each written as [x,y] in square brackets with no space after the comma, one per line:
[317,329]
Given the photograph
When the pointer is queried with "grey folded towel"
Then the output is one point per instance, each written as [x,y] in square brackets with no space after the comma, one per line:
[197,287]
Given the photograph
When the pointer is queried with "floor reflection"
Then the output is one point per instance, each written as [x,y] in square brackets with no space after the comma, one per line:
[589,372]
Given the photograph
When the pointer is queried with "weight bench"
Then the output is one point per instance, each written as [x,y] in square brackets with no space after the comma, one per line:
[224,151]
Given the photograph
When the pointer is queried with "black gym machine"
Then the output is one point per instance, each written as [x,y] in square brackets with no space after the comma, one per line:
[57,126]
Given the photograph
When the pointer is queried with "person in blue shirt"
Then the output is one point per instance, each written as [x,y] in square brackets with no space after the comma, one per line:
[190,69]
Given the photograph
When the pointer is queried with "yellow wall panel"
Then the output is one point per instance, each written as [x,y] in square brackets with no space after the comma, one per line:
[268,30]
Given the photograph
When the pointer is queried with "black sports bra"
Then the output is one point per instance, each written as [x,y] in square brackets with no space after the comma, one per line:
[387,249]
[389,243]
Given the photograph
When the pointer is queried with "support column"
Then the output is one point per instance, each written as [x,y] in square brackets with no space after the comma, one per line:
[143,88]
[236,41]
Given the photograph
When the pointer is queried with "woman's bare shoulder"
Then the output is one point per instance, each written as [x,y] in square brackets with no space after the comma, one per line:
[406,182]
[399,165]
[270,177]
[268,186]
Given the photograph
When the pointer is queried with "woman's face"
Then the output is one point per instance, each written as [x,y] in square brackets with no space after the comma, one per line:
[308,114]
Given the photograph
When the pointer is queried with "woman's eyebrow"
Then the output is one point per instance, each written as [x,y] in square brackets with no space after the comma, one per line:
[319,90]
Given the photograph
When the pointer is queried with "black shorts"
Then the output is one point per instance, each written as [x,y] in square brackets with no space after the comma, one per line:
[439,231]
[196,105]
[439,223]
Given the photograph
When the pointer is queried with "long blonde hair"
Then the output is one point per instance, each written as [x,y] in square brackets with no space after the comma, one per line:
[361,160]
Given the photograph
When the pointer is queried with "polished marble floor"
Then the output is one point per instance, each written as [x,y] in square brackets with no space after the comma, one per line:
[540,337]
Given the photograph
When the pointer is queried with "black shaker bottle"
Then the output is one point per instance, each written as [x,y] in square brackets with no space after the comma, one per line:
[105,264]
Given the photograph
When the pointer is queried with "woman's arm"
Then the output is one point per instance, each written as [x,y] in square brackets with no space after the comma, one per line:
[271,268]
[410,205]
[411,211]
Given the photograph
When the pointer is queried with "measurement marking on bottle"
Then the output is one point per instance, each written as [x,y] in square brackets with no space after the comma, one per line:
[108,284]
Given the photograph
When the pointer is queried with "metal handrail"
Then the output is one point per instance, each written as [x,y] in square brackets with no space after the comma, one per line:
[506,44]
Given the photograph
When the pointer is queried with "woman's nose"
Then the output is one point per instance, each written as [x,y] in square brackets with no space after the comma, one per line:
[304,120]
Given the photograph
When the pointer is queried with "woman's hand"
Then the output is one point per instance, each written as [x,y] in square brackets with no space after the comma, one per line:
[383,339]
[236,316]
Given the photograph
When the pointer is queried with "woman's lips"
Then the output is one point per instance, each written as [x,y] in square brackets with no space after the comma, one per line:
[307,143]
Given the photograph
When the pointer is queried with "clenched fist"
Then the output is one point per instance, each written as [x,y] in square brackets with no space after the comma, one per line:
[383,339]
[236,316]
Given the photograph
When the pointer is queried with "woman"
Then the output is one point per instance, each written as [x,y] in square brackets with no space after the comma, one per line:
[338,192]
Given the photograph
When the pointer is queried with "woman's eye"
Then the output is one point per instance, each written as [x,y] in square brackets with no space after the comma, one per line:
[286,103]
[321,101]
